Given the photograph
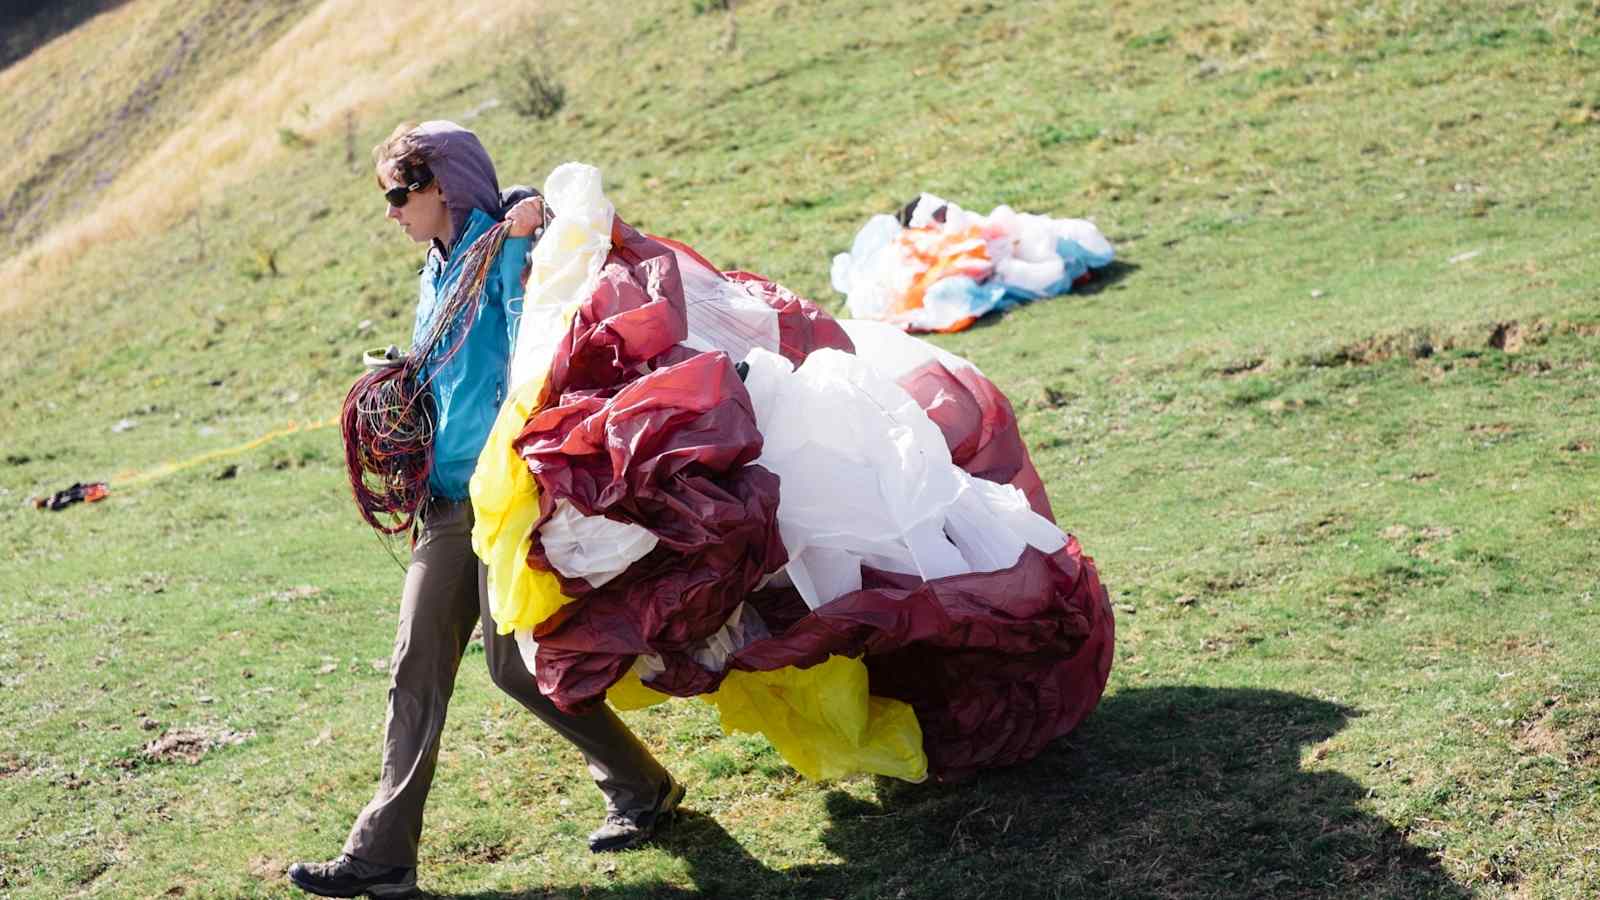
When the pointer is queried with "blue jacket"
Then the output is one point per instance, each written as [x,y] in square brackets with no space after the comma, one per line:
[468,389]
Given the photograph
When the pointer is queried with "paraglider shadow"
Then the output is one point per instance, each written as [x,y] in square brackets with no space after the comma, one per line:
[1106,277]
[1171,792]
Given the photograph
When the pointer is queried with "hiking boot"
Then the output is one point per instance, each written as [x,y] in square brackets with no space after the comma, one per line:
[620,832]
[351,877]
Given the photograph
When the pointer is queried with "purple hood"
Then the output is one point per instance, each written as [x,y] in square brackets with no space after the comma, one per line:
[463,170]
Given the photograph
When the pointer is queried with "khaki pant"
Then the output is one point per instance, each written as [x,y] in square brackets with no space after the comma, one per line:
[445,595]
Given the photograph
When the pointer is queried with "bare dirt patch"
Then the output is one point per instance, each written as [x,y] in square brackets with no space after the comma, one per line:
[1417,542]
[267,868]
[1242,367]
[1582,515]
[189,745]
[1379,348]
[1542,736]
[1509,337]
[1565,732]
[1506,336]
[486,853]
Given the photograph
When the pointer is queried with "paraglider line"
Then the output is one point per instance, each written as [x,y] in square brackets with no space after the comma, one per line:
[130,478]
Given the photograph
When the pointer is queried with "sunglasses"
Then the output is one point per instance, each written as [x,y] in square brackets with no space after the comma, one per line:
[416,180]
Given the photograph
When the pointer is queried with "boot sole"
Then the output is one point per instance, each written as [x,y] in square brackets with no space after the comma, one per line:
[381,891]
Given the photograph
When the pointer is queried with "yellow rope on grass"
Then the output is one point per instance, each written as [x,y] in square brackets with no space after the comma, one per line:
[131,478]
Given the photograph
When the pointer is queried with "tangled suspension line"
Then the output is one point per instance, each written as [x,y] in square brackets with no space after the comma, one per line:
[388,418]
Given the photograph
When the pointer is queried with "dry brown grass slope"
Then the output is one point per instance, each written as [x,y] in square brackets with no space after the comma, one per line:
[120,127]
[27,25]
[80,109]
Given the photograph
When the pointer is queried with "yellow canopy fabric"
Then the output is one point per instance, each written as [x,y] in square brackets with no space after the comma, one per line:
[824,722]
[821,720]
[505,505]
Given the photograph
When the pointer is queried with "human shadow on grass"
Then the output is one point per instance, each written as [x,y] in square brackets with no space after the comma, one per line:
[1164,792]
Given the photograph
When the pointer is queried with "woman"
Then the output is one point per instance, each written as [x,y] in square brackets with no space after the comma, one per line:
[442,191]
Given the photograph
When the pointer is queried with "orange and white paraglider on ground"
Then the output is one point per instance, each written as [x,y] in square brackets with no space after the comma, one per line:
[939,267]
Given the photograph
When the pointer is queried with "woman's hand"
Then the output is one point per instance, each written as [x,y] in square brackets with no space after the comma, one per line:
[526,218]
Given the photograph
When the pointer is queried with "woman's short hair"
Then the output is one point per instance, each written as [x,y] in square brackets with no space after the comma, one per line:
[400,149]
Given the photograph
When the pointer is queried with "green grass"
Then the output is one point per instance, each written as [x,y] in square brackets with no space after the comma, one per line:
[1349,541]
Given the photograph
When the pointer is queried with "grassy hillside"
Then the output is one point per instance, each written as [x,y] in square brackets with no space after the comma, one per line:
[26,25]
[1328,431]
[128,125]
[85,106]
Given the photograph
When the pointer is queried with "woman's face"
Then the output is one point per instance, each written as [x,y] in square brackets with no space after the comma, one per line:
[424,216]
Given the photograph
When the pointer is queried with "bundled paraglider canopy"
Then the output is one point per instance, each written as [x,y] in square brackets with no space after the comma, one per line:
[938,267]
[79,492]
[702,485]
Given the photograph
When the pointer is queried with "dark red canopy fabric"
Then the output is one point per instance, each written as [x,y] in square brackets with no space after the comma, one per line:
[669,452]
[635,314]
[802,325]
[979,425]
[638,428]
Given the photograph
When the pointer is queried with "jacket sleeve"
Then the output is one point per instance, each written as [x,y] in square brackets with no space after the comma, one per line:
[513,256]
